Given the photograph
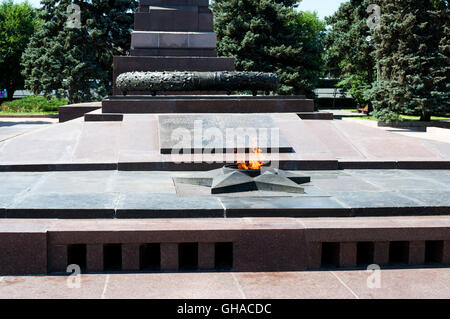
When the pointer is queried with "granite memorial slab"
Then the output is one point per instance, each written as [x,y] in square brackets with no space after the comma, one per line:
[225,133]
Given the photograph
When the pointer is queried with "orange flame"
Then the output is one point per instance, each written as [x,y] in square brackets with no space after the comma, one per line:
[254,165]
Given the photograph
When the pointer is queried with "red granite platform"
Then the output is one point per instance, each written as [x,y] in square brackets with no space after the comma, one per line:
[133,144]
[271,244]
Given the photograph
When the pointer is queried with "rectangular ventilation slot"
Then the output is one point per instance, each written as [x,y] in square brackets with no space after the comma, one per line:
[188,256]
[434,250]
[398,252]
[364,253]
[76,254]
[330,255]
[151,257]
[223,259]
[112,257]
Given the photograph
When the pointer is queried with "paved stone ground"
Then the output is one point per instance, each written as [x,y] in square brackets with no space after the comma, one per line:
[109,194]
[135,141]
[12,127]
[432,133]
[352,284]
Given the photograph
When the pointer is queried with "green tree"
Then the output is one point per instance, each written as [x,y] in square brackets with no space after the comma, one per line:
[270,36]
[17,24]
[349,49]
[75,61]
[311,32]
[412,52]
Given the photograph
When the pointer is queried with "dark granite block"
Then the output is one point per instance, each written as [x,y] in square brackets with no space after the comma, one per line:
[183,18]
[381,253]
[315,116]
[57,258]
[146,104]
[23,253]
[130,257]
[169,256]
[174,52]
[206,253]
[424,165]
[73,111]
[345,164]
[446,252]
[103,117]
[94,258]
[270,250]
[314,254]
[347,254]
[416,254]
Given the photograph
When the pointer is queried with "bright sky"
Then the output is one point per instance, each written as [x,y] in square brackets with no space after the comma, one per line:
[323,7]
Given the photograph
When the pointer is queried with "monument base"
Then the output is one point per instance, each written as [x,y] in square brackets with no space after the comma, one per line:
[207,104]
[123,64]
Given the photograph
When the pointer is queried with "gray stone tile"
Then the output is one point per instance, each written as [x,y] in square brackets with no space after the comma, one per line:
[343,184]
[57,205]
[379,173]
[403,183]
[439,176]
[151,205]
[375,199]
[91,182]
[143,182]
[300,206]
[6,200]
[430,198]
[12,183]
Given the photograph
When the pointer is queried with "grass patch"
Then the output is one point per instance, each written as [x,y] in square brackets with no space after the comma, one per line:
[405,118]
[32,105]
[417,118]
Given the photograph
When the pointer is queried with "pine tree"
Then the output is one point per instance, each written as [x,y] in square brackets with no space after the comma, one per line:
[349,49]
[412,52]
[17,24]
[263,36]
[76,61]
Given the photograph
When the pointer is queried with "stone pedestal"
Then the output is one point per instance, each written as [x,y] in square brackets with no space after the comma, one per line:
[172,35]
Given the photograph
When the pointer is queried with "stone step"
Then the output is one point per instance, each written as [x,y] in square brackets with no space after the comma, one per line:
[192,52]
[173,40]
[315,116]
[201,3]
[174,18]
[98,116]
[206,104]
[73,111]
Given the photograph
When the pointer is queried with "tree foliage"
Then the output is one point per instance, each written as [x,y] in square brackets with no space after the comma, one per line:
[270,36]
[17,24]
[349,49]
[76,62]
[413,56]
